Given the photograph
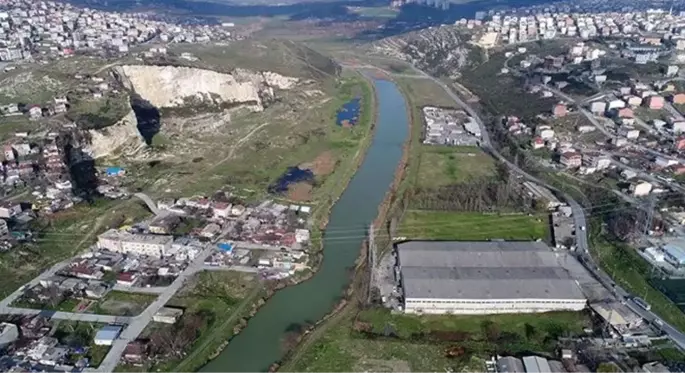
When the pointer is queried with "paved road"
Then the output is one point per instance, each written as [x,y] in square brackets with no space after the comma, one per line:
[140,290]
[578,216]
[139,322]
[149,202]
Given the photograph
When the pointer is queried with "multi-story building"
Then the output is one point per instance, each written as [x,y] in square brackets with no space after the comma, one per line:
[140,244]
[571,159]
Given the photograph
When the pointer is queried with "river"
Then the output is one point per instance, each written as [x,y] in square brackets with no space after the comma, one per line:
[260,343]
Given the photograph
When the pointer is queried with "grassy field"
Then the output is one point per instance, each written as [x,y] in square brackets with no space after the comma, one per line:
[441,225]
[405,342]
[119,303]
[425,92]
[222,298]
[444,165]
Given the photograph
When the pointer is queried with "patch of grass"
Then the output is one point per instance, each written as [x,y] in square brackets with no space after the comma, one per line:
[441,166]
[96,114]
[119,303]
[13,124]
[343,349]
[648,115]
[376,12]
[466,226]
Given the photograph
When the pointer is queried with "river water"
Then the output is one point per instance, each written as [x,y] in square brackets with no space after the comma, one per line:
[260,343]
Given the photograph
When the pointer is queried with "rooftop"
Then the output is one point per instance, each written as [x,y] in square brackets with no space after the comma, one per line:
[492,270]
[114,234]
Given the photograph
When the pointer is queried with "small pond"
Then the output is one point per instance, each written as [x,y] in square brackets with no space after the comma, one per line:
[348,115]
[291,176]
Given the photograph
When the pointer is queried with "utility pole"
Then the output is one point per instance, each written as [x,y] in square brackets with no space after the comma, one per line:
[371,260]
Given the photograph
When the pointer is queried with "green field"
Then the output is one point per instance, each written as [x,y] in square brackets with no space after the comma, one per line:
[445,165]
[419,343]
[445,225]
[119,303]
[425,92]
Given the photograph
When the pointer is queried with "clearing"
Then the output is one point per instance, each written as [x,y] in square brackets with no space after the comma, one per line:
[444,165]
[465,226]
[119,303]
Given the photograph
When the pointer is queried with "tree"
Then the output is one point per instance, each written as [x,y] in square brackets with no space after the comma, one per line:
[491,330]
[530,331]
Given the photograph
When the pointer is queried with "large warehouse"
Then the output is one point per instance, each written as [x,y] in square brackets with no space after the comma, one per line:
[487,277]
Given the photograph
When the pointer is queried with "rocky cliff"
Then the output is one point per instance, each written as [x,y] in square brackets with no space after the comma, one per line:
[105,141]
[170,86]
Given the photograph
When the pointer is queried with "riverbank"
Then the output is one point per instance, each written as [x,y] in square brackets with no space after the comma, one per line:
[291,310]
[347,308]
[367,120]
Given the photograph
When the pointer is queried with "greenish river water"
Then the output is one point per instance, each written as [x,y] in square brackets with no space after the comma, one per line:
[260,343]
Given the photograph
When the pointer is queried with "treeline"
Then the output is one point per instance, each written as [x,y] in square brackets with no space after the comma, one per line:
[500,192]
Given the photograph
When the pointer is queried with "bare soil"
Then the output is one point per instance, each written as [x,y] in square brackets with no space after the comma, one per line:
[301,192]
[322,165]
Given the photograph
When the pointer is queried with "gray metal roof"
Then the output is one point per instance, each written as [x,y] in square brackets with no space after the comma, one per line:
[510,364]
[486,270]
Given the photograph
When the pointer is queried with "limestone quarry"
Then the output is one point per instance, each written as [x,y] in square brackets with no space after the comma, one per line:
[170,86]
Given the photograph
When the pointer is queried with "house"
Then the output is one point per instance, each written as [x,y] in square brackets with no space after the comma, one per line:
[237,210]
[60,100]
[598,107]
[559,110]
[135,352]
[654,102]
[23,149]
[60,108]
[571,159]
[679,143]
[127,278]
[167,315]
[9,209]
[633,100]
[221,209]
[107,335]
[35,112]
[641,189]
[678,98]
[538,143]
[9,153]
[302,235]
[164,224]
[96,290]
[625,113]
[616,104]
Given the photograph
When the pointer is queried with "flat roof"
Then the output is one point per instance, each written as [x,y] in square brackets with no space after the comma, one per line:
[486,270]
[124,236]
[676,250]
[108,332]
[536,364]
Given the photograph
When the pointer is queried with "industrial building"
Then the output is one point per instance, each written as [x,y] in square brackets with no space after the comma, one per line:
[140,244]
[674,253]
[440,277]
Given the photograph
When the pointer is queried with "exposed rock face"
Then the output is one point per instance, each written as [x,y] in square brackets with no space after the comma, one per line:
[105,141]
[169,86]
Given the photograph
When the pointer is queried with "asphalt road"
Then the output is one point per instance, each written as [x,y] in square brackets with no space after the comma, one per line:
[578,214]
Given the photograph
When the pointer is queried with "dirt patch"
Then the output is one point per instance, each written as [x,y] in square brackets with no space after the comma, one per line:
[322,165]
[377,365]
[301,192]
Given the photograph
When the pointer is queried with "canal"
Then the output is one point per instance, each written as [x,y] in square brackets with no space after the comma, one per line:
[260,343]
